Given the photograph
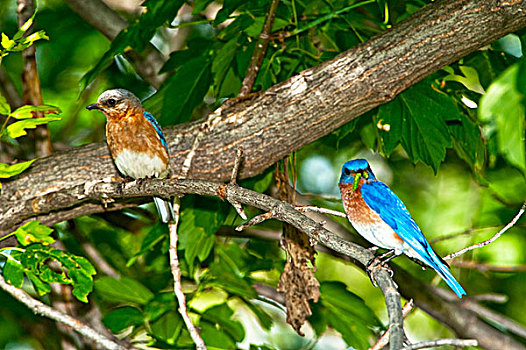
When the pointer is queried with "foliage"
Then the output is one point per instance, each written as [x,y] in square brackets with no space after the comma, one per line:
[452,147]
[43,265]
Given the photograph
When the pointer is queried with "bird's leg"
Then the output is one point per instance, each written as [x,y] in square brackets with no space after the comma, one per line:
[380,261]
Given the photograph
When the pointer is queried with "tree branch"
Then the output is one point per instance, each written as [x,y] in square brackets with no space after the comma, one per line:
[45,310]
[98,191]
[442,342]
[31,81]
[445,307]
[259,51]
[291,114]
[176,272]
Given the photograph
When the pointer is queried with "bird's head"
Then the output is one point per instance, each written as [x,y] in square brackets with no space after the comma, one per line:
[354,170]
[115,102]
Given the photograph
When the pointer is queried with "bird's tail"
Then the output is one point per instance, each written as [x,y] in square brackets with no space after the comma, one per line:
[440,267]
[165,209]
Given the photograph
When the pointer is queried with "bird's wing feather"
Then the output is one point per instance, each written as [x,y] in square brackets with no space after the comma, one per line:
[157,128]
[390,208]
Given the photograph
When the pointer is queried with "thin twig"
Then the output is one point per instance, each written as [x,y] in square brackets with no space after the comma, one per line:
[491,297]
[237,163]
[174,237]
[259,51]
[308,208]
[176,272]
[31,81]
[442,342]
[302,209]
[482,267]
[384,339]
[233,178]
[255,220]
[42,309]
[492,239]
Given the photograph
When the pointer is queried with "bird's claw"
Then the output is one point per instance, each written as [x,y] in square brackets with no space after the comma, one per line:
[378,262]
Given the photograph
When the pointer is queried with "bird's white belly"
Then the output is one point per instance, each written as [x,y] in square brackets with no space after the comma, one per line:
[140,165]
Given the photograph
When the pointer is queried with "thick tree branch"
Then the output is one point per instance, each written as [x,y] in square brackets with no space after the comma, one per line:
[288,115]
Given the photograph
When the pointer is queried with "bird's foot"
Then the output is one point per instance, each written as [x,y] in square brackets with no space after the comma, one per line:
[379,262]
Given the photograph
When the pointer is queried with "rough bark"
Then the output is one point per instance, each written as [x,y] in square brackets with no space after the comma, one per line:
[287,116]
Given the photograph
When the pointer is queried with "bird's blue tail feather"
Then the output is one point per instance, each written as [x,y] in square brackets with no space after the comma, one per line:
[446,275]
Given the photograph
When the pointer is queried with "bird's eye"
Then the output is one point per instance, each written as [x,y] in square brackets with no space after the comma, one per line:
[346,171]
[111,102]
[365,174]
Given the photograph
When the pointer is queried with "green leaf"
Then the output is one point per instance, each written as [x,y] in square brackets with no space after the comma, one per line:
[229,269]
[137,35]
[470,79]
[157,234]
[199,220]
[122,318]
[417,119]
[13,272]
[19,128]
[123,290]
[160,304]
[24,27]
[265,321]
[502,108]
[168,327]
[7,43]
[468,142]
[349,314]
[216,338]
[34,232]
[190,84]
[29,40]
[229,6]
[10,170]
[5,109]
[222,63]
[29,111]
[221,316]
[197,47]
[74,270]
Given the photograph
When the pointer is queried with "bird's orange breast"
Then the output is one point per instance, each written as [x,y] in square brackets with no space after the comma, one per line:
[134,133]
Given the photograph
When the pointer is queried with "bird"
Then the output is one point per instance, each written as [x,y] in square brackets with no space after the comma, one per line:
[380,217]
[136,142]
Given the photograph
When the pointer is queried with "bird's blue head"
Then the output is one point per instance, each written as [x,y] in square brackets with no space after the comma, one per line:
[354,170]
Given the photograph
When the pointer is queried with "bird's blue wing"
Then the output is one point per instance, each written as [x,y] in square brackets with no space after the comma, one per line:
[390,208]
[157,128]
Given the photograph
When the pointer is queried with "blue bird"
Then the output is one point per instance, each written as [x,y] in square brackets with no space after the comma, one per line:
[380,217]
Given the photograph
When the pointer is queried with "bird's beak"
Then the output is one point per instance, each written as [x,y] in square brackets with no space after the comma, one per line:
[356,180]
[93,106]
